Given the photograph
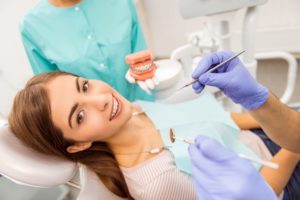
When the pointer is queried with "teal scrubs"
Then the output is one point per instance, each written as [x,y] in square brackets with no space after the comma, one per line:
[89,39]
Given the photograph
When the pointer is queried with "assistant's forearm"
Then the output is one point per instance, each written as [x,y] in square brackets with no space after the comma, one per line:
[280,123]
[278,178]
[244,121]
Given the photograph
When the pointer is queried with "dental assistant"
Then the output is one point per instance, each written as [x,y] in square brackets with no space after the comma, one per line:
[89,38]
[233,176]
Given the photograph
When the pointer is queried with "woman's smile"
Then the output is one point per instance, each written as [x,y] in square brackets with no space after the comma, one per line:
[116,108]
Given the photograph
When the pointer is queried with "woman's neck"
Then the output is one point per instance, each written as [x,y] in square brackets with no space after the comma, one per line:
[64,3]
[138,135]
[131,135]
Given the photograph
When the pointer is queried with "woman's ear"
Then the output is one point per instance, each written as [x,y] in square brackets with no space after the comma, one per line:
[79,146]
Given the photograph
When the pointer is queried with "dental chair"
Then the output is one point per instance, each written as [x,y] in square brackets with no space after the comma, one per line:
[27,167]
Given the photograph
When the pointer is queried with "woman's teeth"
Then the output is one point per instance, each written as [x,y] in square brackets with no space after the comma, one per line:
[115,108]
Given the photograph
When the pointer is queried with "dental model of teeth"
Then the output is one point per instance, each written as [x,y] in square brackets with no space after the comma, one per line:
[141,65]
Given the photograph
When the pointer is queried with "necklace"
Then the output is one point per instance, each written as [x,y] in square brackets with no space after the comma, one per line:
[138,113]
[150,151]
[138,109]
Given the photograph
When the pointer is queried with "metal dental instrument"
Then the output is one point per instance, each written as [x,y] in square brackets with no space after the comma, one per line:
[172,138]
[213,69]
[183,140]
[257,160]
[260,161]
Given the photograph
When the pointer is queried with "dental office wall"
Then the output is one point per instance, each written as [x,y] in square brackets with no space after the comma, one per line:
[278,28]
[14,67]
[278,25]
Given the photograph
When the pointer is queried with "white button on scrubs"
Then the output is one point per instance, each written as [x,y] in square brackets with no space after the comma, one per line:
[101,65]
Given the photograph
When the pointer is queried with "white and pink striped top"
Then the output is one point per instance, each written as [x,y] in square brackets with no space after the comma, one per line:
[159,178]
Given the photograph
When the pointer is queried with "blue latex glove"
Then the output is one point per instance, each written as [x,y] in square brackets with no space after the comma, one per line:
[220,174]
[232,78]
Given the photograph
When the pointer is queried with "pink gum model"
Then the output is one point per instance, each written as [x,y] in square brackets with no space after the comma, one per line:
[141,65]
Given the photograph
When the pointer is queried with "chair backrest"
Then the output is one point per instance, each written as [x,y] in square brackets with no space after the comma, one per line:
[26,166]
[92,188]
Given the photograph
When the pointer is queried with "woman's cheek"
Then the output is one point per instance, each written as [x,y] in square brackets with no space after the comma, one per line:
[94,132]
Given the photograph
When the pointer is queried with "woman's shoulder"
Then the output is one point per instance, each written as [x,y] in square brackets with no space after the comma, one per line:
[158,176]
[151,168]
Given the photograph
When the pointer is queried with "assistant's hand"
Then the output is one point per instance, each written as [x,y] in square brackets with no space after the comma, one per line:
[232,78]
[146,85]
[220,174]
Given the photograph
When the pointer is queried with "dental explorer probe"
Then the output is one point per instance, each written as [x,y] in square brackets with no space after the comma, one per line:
[257,160]
[213,69]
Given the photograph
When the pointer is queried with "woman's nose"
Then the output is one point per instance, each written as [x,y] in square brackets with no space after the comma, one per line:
[100,101]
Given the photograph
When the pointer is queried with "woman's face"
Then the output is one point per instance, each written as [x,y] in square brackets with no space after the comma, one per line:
[87,110]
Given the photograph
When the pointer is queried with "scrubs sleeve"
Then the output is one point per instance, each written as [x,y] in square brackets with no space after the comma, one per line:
[138,42]
[39,64]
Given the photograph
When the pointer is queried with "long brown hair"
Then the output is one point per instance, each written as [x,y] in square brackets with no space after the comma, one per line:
[30,120]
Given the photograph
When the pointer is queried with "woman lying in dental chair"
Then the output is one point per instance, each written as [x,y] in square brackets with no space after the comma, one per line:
[128,146]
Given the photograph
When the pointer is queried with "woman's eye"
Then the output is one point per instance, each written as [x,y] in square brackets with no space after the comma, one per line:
[85,86]
[80,117]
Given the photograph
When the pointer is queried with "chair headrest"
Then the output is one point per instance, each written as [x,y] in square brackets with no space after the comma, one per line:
[91,184]
[24,165]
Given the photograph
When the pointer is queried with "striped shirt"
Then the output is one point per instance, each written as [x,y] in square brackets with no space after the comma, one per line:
[159,178]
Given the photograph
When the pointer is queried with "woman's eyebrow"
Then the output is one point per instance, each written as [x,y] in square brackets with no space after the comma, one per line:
[77,84]
[73,109]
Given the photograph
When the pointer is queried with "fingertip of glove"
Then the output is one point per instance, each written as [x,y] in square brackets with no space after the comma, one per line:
[198,139]
[196,85]
[199,90]
[195,75]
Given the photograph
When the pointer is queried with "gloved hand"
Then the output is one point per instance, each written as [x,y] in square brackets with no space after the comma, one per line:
[220,174]
[146,85]
[232,78]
